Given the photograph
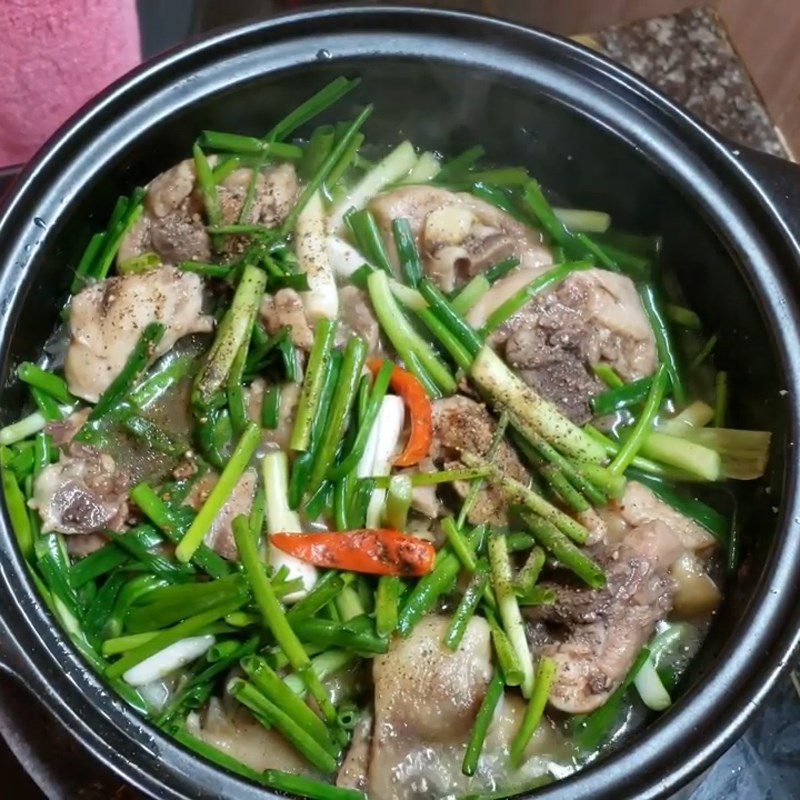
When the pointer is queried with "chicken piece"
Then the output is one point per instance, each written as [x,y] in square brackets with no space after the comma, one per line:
[462,424]
[426,699]
[593,317]
[107,319]
[285,309]
[82,493]
[458,235]
[356,317]
[290,394]
[597,633]
[241,736]
[639,506]
[273,199]
[173,224]
[220,535]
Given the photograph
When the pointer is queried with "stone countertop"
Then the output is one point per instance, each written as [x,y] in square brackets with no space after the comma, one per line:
[687,55]
[690,58]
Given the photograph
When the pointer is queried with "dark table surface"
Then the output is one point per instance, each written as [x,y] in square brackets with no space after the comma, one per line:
[688,56]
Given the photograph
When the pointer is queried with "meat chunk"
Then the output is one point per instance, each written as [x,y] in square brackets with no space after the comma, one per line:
[462,424]
[173,224]
[593,317]
[356,317]
[285,309]
[458,235]
[107,319]
[426,699]
[598,633]
[273,199]
[639,505]
[242,737]
[220,535]
[63,431]
[82,493]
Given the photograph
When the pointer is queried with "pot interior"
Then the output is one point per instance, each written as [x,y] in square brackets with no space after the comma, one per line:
[447,107]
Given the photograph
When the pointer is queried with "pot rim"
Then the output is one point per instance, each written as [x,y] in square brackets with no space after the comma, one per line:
[769,628]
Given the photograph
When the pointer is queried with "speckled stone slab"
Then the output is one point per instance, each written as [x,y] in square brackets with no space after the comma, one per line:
[689,57]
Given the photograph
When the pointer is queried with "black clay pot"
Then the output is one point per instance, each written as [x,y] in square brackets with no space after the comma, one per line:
[590,131]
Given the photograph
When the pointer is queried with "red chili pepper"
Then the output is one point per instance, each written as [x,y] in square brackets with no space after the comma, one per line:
[420,411]
[378,551]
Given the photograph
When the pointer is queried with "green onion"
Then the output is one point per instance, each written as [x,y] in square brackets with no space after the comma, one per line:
[274,617]
[141,263]
[88,258]
[307,787]
[206,270]
[529,412]
[349,635]
[460,164]
[234,330]
[457,326]
[368,239]
[581,220]
[330,162]
[684,317]
[189,627]
[518,492]
[308,404]
[54,385]
[513,624]
[18,512]
[48,407]
[606,373]
[387,597]
[529,574]
[533,713]
[505,652]
[325,590]
[704,352]
[409,344]
[643,425]
[407,252]
[668,355]
[341,405]
[240,458]
[458,544]
[207,185]
[248,695]
[271,407]
[398,502]
[627,395]
[248,145]
[153,507]
[466,608]
[276,691]
[318,148]
[312,107]
[483,720]
[565,551]
[136,364]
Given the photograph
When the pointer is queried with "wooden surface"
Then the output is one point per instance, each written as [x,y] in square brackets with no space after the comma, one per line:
[766,34]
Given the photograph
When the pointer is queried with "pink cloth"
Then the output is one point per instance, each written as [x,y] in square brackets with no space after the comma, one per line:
[54,56]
